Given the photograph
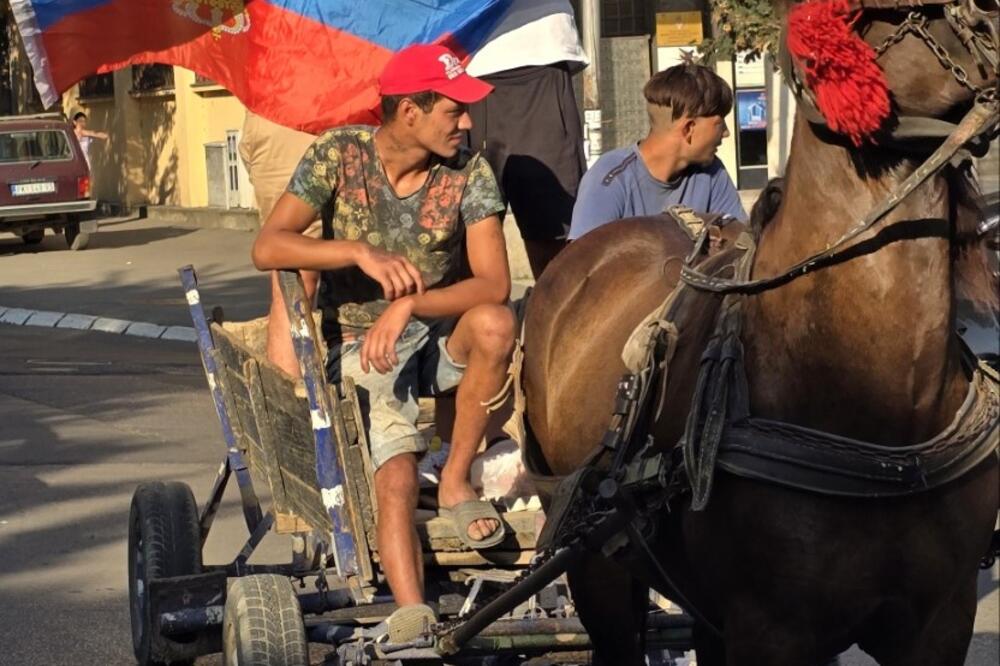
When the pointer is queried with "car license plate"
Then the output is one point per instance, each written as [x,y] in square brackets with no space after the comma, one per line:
[22,189]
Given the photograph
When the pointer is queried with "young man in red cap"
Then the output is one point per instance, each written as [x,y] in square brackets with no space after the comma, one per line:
[414,287]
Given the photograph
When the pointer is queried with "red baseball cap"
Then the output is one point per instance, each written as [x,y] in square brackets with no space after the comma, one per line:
[423,67]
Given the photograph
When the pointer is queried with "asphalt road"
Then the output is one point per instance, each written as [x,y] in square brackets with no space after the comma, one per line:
[86,416]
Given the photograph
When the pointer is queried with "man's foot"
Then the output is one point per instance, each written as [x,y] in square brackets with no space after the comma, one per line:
[464,514]
[410,623]
[480,523]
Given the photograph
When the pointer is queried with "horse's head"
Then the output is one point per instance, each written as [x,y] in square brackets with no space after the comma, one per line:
[933,58]
[937,55]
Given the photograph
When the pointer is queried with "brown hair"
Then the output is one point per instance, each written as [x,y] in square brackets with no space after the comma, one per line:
[692,90]
[424,100]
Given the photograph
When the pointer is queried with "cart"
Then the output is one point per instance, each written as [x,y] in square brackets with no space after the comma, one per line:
[305,440]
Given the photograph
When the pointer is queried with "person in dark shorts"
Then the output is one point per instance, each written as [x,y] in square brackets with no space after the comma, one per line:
[529,129]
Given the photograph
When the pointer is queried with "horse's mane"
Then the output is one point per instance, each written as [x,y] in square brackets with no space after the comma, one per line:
[973,280]
[766,206]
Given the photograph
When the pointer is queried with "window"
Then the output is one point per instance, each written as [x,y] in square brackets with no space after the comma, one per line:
[99,85]
[152,78]
[34,146]
[200,80]
[624,18]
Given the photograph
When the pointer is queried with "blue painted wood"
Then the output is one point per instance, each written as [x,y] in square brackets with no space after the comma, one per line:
[251,505]
[323,410]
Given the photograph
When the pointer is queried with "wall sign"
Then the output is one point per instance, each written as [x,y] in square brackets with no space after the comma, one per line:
[679,29]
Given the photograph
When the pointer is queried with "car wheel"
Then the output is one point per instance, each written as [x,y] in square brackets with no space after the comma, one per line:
[33,237]
[262,624]
[76,239]
[164,541]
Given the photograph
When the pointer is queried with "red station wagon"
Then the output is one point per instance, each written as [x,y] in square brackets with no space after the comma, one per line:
[44,180]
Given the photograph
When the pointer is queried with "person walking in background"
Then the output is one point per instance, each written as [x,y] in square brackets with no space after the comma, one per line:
[529,129]
[675,164]
[85,136]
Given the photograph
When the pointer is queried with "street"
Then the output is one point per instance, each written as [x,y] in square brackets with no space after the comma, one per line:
[87,415]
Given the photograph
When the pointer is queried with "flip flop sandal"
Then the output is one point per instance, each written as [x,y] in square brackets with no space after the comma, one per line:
[464,513]
[409,623]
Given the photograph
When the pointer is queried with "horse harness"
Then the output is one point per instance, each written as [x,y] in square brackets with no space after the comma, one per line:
[625,476]
[609,504]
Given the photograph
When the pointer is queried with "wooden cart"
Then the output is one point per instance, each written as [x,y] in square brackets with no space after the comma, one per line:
[305,440]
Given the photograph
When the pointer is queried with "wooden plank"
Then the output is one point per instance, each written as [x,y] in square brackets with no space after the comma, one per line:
[357,506]
[293,446]
[266,443]
[438,534]
[289,523]
[483,558]
[361,440]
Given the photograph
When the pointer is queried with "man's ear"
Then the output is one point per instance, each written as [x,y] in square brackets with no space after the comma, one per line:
[687,126]
[407,111]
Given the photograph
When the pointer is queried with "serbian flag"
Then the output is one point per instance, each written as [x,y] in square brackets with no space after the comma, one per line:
[305,64]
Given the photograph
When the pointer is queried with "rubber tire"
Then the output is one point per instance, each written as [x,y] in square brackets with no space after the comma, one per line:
[76,239]
[163,530]
[33,237]
[262,624]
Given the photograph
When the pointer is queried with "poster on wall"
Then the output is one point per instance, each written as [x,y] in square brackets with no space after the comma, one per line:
[679,29]
[749,70]
[751,109]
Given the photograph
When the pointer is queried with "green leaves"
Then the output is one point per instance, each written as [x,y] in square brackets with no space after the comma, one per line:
[742,25]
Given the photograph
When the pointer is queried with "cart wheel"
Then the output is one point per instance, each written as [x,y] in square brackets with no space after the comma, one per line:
[163,540]
[76,239]
[262,624]
[33,237]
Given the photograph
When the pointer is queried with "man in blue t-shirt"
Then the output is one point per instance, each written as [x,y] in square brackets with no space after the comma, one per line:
[674,164]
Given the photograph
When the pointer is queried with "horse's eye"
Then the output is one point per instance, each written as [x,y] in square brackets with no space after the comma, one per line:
[986,6]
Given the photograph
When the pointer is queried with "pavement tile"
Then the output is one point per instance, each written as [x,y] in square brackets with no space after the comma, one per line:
[182,333]
[145,330]
[110,325]
[44,318]
[80,322]
[16,316]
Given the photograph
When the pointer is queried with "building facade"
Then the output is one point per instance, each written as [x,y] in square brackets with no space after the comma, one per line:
[173,138]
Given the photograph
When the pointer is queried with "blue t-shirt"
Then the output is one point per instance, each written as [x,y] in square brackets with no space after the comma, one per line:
[619,185]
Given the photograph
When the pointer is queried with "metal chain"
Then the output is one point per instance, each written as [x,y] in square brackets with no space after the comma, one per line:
[916,23]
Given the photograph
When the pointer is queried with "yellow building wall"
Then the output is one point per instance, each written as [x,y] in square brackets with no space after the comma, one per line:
[156,151]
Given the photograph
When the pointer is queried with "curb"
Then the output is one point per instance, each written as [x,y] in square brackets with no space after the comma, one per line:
[85,322]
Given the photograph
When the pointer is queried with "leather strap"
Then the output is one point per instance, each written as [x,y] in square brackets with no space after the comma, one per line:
[981,119]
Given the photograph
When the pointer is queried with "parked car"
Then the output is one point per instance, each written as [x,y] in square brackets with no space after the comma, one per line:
[44,180]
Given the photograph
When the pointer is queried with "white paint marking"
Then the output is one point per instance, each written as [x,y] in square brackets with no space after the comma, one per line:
[319,420]
[333,497]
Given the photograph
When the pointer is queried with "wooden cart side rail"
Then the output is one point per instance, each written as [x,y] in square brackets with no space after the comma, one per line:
[326,417]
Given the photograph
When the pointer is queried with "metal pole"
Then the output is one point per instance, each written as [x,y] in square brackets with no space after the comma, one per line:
[590,29]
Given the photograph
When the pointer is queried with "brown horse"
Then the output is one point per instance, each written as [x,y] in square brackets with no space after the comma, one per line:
[865,349]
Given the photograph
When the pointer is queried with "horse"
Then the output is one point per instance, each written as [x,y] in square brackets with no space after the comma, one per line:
[864,347]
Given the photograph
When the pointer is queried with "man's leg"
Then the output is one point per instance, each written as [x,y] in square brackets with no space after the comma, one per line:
[540,253]
[279,335]
[396,489]
[482,341]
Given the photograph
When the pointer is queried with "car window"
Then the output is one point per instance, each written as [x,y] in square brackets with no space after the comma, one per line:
[34,146]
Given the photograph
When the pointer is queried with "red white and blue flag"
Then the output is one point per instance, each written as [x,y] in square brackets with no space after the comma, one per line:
[306,64]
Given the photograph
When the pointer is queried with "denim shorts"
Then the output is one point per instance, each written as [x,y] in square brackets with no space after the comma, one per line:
[389,402]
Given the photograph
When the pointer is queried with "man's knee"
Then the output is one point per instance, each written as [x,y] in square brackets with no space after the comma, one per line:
[396,480]
[492,330]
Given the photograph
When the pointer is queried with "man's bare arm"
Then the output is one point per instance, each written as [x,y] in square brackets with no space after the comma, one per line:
[490,281]
[281,243]
[489,284]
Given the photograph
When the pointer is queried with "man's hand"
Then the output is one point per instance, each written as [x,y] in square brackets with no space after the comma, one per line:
[379,347]
[394,272]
